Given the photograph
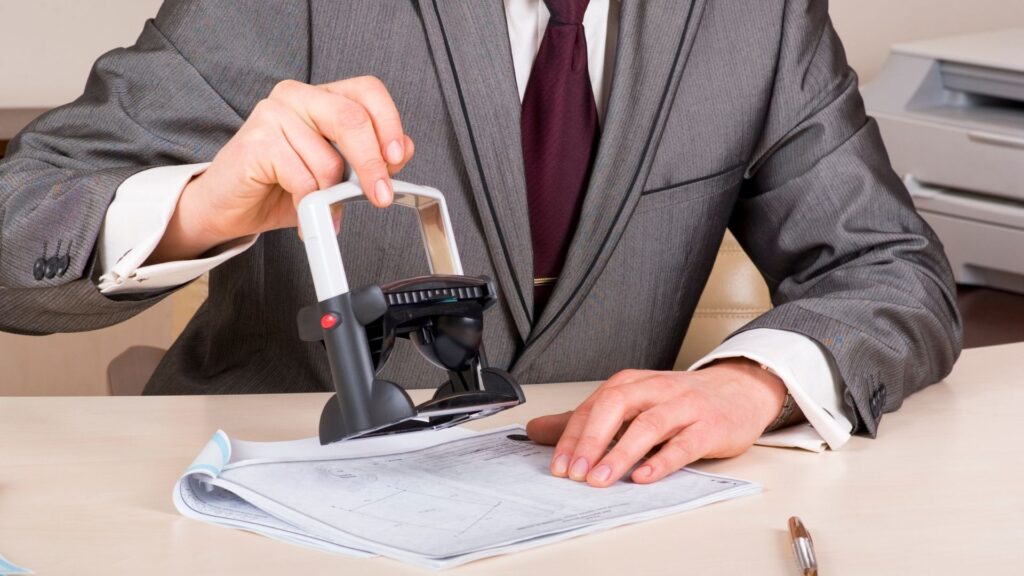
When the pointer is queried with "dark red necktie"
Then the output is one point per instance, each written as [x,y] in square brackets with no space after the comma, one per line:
[560,134]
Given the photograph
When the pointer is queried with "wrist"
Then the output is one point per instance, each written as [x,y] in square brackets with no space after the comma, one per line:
[760,385]
[188,234]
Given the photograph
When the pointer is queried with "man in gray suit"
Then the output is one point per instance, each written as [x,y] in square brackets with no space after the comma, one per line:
[592,155]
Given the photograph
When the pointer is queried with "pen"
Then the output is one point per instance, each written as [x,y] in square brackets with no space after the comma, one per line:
[803,547]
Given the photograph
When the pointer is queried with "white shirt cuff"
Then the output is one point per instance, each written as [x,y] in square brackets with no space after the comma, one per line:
[807,374]
[135,224]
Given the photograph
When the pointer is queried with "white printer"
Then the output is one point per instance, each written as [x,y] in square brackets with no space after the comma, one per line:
[951,112]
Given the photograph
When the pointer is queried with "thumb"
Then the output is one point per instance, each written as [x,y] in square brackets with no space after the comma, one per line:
[548,429]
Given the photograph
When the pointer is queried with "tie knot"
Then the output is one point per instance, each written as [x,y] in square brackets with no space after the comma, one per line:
[567,11]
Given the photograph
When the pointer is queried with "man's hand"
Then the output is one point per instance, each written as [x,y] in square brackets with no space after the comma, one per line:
[716,412]
[282,153]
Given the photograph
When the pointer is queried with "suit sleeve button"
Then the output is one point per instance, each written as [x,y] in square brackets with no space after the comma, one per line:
[51,267]
[63,264]
[39,270]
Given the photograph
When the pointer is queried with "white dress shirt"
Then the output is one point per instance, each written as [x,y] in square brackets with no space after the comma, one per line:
[144,203]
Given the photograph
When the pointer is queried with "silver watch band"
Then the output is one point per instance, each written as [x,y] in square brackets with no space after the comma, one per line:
[788,405]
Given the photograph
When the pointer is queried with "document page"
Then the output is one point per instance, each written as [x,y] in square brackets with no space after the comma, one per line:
[467,498]
[198,500]
[8,568]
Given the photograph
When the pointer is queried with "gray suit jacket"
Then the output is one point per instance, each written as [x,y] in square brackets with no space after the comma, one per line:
[722,113]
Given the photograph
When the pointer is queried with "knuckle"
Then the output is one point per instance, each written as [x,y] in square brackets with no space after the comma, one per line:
[305,184]
[296,182]
[286,88]
[609,398]
[582,412]
[694,398]
[351,116]
[331,167]
[373,165]
[257,140]
[677,454]
[260,107]
[264,109]
[628,374]
[667,380]
[649,423]
[370,82]
[620,377]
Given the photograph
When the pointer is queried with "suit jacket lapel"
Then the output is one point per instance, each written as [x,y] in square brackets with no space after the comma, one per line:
[653,43]
[469,42]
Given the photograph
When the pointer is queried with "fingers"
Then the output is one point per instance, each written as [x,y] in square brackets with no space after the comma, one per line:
[290,172]
[410,150]
[646,431]
[349,125]
[611,408]
[690,445]
[683,416]
[360,117]
[609,395]
[320,158]
[371,93]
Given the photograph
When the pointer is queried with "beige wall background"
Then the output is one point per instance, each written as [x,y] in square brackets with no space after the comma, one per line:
[869,27]
[64,38]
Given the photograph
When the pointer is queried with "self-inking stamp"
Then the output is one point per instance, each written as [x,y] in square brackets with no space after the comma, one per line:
[441,314]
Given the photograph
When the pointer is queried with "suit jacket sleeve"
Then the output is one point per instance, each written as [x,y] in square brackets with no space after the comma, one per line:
[175,97]
[831,227]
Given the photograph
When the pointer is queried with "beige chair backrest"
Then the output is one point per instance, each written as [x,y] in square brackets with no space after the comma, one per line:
[735,294]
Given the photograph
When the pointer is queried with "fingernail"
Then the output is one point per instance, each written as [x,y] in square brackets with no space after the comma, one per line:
[644,471]
[383,192]
[579,469]
[561,465]
[395,152]
[601,473]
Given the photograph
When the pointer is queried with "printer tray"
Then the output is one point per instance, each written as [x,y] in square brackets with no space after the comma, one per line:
[976,160]
[982,235]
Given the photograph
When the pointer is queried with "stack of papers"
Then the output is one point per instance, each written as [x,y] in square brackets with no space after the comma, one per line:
[433,499]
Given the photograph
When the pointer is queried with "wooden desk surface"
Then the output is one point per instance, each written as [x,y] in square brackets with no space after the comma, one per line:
[85,488]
